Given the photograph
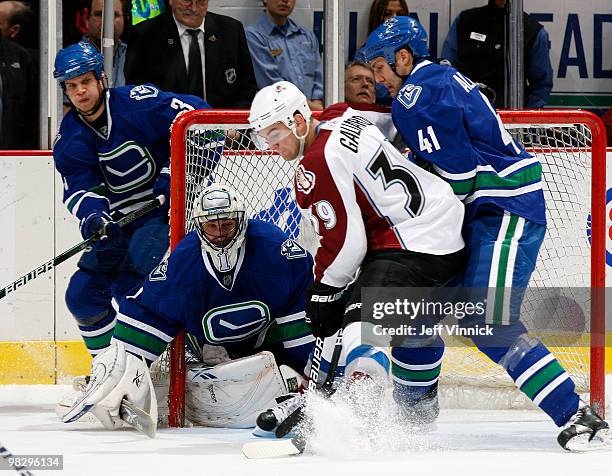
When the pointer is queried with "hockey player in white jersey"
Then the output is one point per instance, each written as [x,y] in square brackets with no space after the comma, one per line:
[391,221]
[233,282]
[450,126]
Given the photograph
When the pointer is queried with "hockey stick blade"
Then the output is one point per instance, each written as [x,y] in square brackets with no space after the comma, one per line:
[137,418]
[270,449]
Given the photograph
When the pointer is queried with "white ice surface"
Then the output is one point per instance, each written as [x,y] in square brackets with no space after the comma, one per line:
[488,443]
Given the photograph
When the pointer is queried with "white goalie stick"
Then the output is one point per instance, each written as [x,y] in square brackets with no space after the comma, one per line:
[137,418]
[297,444]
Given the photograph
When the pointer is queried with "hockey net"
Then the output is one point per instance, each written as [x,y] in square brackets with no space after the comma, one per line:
[214,146]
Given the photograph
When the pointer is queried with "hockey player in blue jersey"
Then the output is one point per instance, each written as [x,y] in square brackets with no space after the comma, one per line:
[112,151]
[449,125]
[233,282]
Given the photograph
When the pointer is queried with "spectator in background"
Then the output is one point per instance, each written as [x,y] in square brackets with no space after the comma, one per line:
[380,10]
[383,9]
[283,50]
[359,83]
[360,94]
[15,19]
[74,21]
[94,35]
[19,86]
[18,117]
[189,50]
[475,45]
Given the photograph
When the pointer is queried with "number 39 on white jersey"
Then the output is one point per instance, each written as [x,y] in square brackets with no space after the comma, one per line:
[368,197]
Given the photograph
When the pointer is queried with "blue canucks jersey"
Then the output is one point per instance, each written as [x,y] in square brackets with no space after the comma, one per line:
[447,122]
[114,168]
[262,307]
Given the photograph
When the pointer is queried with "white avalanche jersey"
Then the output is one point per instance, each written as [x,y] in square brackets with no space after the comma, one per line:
[365,196]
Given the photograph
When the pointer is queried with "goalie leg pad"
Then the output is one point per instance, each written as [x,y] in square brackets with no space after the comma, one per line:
[115,375]
[232,394]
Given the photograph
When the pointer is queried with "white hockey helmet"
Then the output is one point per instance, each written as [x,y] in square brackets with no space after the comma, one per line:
[220,202]
[278,103]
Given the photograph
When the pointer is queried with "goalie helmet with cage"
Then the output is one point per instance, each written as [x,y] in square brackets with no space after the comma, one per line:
[220,221]
[278,103]
[393,35]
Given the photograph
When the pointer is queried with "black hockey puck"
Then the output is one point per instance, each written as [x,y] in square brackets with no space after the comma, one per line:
[267,421]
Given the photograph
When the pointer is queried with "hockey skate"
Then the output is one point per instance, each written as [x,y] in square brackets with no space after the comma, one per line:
[269,421]
[365,396]
[418,410]
[585,431]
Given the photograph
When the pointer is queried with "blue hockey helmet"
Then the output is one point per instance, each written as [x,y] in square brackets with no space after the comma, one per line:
[393,35]
[78,59]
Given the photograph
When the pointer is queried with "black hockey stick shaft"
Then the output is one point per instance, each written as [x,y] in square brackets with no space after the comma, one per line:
[49,265]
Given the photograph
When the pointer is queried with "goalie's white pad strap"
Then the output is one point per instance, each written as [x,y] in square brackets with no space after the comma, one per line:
[232,394]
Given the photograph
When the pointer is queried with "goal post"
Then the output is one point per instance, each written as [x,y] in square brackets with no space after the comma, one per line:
[569,143]
[597,146]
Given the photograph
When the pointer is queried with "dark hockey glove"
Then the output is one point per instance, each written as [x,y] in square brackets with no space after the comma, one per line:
[101,224]
[162,187]
[324,309]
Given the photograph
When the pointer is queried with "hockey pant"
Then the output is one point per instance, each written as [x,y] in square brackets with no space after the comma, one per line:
[112,273]
[416,365]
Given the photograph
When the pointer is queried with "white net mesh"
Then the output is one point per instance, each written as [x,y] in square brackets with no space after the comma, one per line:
[469,379]
[562,274]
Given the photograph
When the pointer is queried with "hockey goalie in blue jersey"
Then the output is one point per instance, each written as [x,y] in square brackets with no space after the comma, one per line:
[113,153]
[231,282]
[451,128]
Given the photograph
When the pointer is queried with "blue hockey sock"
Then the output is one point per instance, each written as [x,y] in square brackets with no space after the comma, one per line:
[539,375]
[415,370]
[97,336]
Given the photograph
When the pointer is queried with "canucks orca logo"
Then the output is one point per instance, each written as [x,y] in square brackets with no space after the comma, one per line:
[160,272]
[143,91]
[409,95]
[291,250]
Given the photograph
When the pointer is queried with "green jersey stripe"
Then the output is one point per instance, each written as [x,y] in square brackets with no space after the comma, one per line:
[524,177]
[139,338]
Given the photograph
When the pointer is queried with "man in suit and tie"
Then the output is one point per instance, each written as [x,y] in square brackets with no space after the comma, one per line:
[190,50]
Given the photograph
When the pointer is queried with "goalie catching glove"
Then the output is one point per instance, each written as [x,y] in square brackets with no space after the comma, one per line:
[115,375]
